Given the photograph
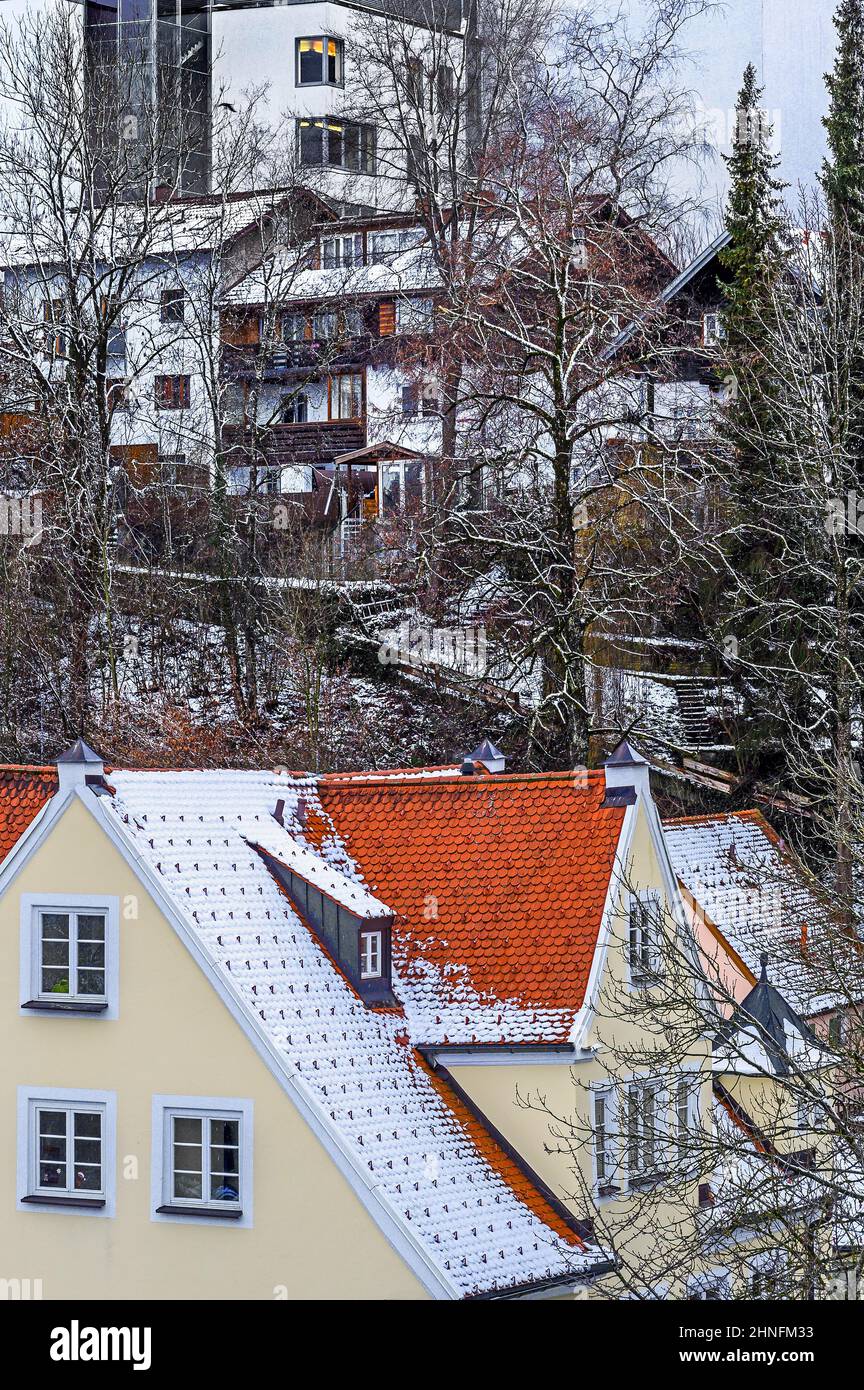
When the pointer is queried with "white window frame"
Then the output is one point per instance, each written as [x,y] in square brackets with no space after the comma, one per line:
[607,1183]
[639,1087]
[31,1099]
[713,329]
[367,958]
[650,972]
[32,905]
[189,1211]
[336,256]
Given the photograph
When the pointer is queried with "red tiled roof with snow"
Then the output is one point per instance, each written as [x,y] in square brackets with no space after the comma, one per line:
[23,793]
[499,885]
[518,862]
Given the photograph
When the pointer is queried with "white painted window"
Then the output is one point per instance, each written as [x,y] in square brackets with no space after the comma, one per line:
[202,1159]
[69,954]
[385,245]
[645,939]
[67,1155]
[713,329]
[371,953]
[340,252]
[645,1129]
[66,1150]
[605,1149]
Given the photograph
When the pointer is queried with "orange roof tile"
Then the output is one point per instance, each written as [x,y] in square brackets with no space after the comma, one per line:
[23,793]
[498,885]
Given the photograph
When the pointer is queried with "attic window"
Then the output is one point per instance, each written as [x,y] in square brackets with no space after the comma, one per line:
[644,940]
[713,330]
[371,955]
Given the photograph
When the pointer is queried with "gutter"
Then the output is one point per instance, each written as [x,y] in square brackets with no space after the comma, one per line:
[441,1055]
[523,1291]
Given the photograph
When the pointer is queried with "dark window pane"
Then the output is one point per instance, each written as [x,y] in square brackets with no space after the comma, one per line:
[224,1189]
[90,927]
[55,925]
[52,1122]
[56,953]
[224,1132]
[188,1158]
[88,1125]
[52,1147]
[91,982]
[88,1151]
[88,1177]
[55,982]
[188,1186]
[311,142]
[187,1129]
[51,1176]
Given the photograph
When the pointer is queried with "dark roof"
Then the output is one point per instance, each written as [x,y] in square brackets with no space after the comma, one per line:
[767,1008]
[80,752]
[624,756]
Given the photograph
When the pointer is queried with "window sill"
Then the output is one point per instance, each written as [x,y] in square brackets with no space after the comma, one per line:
[78,1006]
[44,1200]
[211,1212]
[646,1180]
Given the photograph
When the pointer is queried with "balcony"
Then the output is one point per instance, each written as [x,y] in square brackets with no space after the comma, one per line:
[313,442]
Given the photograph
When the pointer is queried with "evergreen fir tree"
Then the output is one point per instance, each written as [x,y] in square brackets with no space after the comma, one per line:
[843,171]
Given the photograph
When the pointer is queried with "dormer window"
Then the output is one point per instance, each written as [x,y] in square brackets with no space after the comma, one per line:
[353,926]
[371,955]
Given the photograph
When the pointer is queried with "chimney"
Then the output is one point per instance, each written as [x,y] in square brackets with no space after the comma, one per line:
[626,776]
[78,766]
[491,757]
[467,768]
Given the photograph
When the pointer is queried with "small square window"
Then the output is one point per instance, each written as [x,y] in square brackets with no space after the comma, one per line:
[371,955]
[69,951]
[66,1150]
[202,1168]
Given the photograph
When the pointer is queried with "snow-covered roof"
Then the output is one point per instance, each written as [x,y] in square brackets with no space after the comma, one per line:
[749,885]
[443,1178]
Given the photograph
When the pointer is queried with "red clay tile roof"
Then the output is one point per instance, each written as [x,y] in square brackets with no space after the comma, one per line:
[23,793]
[498,885]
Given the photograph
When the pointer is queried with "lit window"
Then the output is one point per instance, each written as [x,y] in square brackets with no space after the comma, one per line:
[66,1151]
[370,955]
[319,61]
[339,144]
